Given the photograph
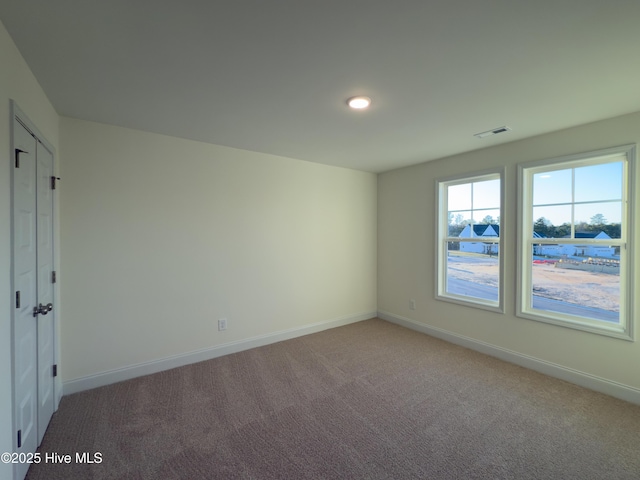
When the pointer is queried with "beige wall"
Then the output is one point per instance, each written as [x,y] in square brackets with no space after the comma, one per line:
[17,83]
[406,249]
[161,237]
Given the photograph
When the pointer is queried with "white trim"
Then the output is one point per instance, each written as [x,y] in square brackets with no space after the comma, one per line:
[592,382]
[442,238]
[628,308]
[17,115]
[22,117]
[29,125]
[174,361]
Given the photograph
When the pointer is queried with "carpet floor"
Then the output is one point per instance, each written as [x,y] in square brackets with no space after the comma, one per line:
[370,400]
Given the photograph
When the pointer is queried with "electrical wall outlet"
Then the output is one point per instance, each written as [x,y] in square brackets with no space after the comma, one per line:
[222,324]
[412,304]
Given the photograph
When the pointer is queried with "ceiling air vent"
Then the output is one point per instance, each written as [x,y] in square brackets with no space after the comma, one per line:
[495,131]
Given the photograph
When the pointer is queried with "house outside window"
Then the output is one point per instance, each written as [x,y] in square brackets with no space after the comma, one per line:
[576,243]
[470,265]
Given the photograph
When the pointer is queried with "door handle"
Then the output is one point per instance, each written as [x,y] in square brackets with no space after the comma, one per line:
[42,309]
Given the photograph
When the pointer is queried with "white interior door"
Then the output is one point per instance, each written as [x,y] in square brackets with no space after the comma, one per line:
[25,341]
[33,321]
[45,324]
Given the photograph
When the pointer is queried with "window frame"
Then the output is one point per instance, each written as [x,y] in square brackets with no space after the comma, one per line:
[524,300]
[442,239]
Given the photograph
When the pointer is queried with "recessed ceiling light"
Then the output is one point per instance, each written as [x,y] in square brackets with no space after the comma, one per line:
[358,103]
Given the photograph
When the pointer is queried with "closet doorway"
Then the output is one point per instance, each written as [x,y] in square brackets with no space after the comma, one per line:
[34,278]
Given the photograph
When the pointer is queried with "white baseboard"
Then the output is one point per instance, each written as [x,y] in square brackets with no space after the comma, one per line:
[155,366]
[592,382]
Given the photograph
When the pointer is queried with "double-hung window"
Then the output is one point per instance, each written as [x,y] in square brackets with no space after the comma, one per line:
[576,241]
[469,240]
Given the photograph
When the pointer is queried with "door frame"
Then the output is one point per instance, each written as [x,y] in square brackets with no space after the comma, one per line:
[17,113]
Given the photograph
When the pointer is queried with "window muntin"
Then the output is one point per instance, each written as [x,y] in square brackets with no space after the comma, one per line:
[469,238]
[575,251]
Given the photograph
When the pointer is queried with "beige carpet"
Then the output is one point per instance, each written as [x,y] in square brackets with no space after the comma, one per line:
[370,400]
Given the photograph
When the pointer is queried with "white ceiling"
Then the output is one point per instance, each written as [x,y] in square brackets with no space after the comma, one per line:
[273,76]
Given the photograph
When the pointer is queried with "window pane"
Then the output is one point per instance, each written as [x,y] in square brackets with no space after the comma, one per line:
[459,197]
[552,187]
[487,217]
[552,222]
[473,270]
[457,223]
[486,194]
[579,287]
[599,218]
[574,279]
[598,182]
[468,270]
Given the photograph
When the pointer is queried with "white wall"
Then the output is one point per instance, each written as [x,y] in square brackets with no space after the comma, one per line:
[161,237]
[406,262]
[17,83]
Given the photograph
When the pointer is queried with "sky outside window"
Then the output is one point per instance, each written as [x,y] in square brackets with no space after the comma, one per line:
[481,197]
[601,185]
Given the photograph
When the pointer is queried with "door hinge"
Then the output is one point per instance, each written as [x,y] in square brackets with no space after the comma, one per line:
[18,299]
[54,278]
[55,370]
[18,152]
[19,438]
[53,182]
